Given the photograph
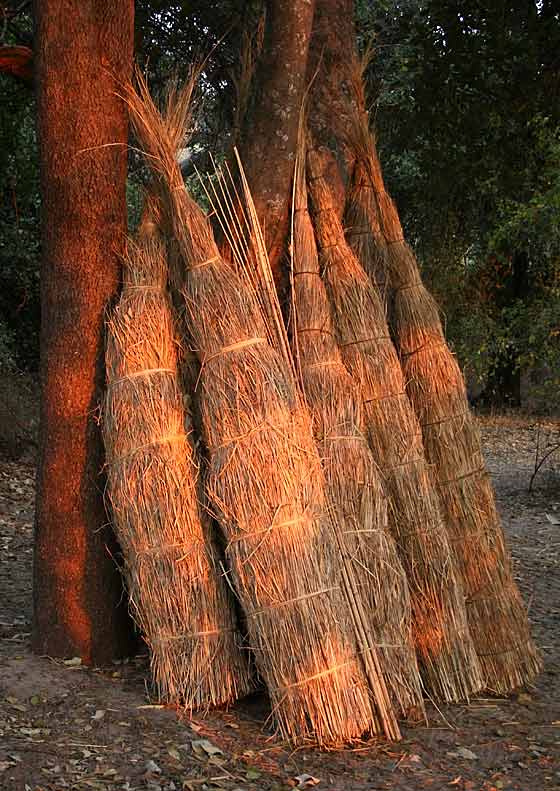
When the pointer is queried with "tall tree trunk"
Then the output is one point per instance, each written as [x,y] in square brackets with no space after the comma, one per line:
[80,49]
[272,126]
[332,51]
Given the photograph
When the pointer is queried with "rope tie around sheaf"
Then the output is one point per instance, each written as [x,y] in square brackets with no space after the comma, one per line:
[153,442]
[373,339]
[307,272]
[288,602]
[316,676]
[263,425]
[141,287]
[415,284]
[288,523]
[234,347]
[170,638]
[163,550]
[470,474]
[320,330]
[405,463]
[385,397]
[204,263]
[145,372]
[464,413]
[428,345]
[335,668]
[366,231]
[323,364]
[345,438]
[512,650]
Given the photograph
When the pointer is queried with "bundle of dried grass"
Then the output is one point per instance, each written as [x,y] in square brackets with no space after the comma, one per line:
[353,486]
[264,481]
[447,659]
[497,617]
[177,591]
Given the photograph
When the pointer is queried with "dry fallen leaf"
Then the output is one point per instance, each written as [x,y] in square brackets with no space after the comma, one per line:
[152,768]
[204,746]
[306,781]
[463,752]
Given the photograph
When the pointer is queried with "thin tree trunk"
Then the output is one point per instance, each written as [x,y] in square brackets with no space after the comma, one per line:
[271,129]
[80,49]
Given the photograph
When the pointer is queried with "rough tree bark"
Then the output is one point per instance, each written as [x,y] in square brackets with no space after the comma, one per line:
[331,58]
[272,126]
[79,609]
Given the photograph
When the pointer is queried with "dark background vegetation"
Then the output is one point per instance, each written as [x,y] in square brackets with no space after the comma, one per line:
[466,102]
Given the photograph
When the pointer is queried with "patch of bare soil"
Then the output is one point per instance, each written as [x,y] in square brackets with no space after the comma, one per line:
[66,727]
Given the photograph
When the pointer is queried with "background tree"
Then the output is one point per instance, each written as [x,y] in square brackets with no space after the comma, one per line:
[468,114]
[83,131]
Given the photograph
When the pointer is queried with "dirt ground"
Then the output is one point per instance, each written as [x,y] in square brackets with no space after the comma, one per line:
[66,727]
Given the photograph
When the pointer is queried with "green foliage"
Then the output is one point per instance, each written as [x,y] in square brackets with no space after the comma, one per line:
[468,118]
[467,108]
[19,217]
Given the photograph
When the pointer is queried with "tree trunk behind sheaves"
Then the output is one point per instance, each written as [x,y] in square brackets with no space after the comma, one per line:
[272,126]
[308,44]
[331,54]
[81,49]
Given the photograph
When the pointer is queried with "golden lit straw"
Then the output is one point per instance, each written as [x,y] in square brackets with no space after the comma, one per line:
[353,487]
[448,663]
[177,592]
[497,616]
[264,478]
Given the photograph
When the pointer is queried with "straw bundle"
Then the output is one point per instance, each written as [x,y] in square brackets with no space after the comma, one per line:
[363,232]
[497,617]
[447,659]
[177,592]
[353,486]
[264,481]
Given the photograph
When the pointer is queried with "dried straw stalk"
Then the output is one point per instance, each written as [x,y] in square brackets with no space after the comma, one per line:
[258,272]
[177,592]
[447,659]
[264,479]
[353,485]
[496,613]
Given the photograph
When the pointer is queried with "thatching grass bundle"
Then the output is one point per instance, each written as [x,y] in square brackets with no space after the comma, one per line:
[363,231]
[497,617]
[264,479]
[353,487]
[445,650]
[177,591]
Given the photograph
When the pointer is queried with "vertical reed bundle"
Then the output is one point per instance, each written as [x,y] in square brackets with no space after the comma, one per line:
[497,617]
[363,231]
[447,659]
[177,592]
[353,486]
[264,480]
